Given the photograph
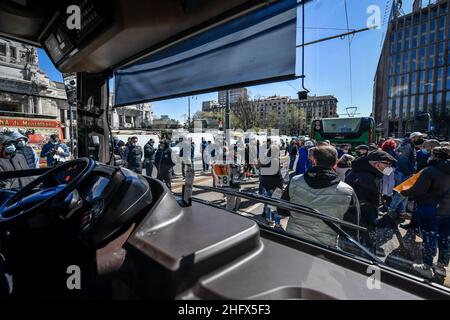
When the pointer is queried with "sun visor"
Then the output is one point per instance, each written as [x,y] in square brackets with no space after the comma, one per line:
[255,48]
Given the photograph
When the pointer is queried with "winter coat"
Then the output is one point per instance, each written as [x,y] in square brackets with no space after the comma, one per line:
[406,157]
[433,187]
[133,157]
[365,180]
[318,189]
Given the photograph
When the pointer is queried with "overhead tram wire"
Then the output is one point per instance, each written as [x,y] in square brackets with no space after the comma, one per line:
[349,54]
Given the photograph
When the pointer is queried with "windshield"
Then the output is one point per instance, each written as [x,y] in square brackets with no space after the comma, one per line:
[251,143]
[341,125]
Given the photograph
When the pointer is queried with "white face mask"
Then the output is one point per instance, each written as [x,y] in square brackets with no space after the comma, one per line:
[387,171]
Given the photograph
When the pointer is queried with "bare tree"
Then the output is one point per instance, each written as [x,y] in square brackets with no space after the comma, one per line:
[244,114]
[295,120]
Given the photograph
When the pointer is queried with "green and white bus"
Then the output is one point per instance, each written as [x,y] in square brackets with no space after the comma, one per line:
[353,131]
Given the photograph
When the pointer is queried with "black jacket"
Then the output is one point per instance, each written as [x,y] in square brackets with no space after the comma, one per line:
[13,163]
[149,152]
[433,187]
[133,157]
[274,180]
[163,159]
[365,180]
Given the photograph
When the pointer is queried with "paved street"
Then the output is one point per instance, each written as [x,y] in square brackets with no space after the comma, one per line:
[387,238]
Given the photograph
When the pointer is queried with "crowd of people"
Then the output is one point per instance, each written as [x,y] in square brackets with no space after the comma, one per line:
[17,154]
[405,180]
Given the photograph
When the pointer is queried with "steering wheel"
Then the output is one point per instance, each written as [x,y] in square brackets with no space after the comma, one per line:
[59,182]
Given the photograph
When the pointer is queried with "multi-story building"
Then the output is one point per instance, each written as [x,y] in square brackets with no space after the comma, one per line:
[316,107]
[413,74]
[26,91]
[234,95]
[165,123]
[138,116]
[210,106]
[282,113]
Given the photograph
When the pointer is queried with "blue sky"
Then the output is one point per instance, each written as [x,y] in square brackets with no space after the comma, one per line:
[326,63]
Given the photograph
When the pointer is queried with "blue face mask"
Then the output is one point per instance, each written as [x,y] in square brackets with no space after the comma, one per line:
[10,149]
[21,144]
[425,151]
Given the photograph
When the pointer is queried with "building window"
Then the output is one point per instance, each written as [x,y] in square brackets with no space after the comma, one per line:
[391,43]
[423,38]
[448,50]
[434,12]
[399,63]
[440,48]
[440,73]
[415,35]
[441,29]
[447,102]
[2,49]
[13,52]
[406,86]
[414,83]
[422,58]
[62,115]
[430,83]
[412,106]
[420,104]
[438,102]
[448,79]
[432,31]
[422,82]
[406,62]
[431,56]
[397,107]
[429,106]
[399,41]
[413,60]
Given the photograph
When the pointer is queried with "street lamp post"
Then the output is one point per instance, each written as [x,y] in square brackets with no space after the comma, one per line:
[227,118]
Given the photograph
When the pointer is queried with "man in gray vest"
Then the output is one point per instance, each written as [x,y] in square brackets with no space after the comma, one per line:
[319,188]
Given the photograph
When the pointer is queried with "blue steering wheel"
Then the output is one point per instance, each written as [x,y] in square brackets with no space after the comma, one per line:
[63,180]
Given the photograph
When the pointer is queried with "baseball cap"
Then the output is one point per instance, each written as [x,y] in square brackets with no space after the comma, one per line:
[417,134]
[362,147]
[379,155]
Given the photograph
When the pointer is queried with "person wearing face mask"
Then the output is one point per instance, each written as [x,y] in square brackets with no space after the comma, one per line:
[406,166]
[303,162]
[423,155]
[149,156]
[164,163]
[27,151]
[120,151]
[362,150]
[55,151]
[133,156]
[10,160]
[432,195]
[365,178]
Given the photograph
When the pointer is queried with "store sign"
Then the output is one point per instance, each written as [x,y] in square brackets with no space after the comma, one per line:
[28,123]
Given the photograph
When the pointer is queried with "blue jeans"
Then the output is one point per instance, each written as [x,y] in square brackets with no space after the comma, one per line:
[260,187]
[148,168]
[435,233]
[399,202]
[268,213]
[291,162]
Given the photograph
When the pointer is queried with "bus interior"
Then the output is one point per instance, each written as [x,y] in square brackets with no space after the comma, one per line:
[131,237]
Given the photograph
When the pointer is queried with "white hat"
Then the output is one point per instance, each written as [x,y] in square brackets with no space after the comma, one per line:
[309,144]
[417,134]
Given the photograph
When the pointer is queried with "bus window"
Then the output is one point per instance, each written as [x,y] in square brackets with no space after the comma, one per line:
[341,125]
